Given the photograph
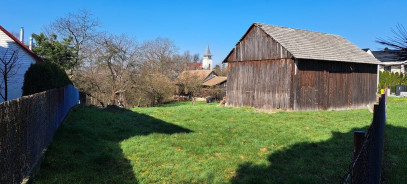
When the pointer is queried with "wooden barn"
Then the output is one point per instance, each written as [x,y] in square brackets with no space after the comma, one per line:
[275,67]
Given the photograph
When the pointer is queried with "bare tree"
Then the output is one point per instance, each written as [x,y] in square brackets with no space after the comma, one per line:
[81,26]
[398,41]
[190,84]
[118,55]
[153,85]
[157,67]
[105,73]
[90,76]
[9,66]
[196,58]
[184,61]
[221,70]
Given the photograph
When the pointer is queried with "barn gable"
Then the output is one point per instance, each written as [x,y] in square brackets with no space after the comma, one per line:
[256,45]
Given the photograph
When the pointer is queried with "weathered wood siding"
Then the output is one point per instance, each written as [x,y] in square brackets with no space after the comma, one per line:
[263,74]
[260,72]
[257,46]
[260,84]
[333,85]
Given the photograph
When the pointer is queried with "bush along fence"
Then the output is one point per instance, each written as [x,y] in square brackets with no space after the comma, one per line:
[368,148]
[27,125]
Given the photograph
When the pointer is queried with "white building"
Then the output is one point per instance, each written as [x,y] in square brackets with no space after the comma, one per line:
[8,45]
[391,60]
[207,60]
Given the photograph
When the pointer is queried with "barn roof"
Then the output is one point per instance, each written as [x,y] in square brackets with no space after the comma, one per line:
[198,74]
[303,44]
[215,81]
[37,58]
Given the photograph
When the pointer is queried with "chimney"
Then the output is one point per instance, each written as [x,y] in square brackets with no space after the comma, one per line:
[22,35]
[31,43]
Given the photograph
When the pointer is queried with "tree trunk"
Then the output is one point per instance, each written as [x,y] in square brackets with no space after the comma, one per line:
[193,100]
[5,88]
[112,99]
[138,103]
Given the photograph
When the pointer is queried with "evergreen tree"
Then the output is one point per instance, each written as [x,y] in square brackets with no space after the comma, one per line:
[54,51]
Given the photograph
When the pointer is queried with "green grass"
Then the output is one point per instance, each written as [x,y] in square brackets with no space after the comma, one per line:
[180,143]
[395,145]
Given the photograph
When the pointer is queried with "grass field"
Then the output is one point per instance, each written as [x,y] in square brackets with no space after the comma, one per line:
[181,143]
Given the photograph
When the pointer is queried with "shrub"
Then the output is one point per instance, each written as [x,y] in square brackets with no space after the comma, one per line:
[391,80]
[44,76]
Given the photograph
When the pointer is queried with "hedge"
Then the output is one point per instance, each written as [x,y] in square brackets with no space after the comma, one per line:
[44,76]
[391,79]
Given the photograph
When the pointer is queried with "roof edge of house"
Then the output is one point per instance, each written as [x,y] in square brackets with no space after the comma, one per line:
[36,57]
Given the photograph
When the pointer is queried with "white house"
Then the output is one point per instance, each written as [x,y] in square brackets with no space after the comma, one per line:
[391,60]
[8,45]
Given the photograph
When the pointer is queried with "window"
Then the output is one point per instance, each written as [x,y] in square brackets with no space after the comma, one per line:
[387,68]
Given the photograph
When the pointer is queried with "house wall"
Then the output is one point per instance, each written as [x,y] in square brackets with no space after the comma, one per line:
[326,85]
[396,68]
[25,60]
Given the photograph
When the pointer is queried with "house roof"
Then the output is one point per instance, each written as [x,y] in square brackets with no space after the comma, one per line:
[198,74]
[194,66]
[394,63]
[215,81]
[303,44]
[37,58]
[390,55]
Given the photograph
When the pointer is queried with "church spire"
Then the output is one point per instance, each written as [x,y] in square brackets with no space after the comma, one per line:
[207,52]
[207,59]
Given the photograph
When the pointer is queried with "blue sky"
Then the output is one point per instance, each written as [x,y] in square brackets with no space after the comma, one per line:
[194,24]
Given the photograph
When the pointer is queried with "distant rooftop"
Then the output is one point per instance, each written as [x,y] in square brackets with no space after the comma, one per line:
[215,81]
[390,55]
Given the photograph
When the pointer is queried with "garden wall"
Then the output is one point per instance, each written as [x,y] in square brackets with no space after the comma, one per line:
[27,125]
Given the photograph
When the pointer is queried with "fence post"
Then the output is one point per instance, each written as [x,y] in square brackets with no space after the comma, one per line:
[376,143]
[358,139]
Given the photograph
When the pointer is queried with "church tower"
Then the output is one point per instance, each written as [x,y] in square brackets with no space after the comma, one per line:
[207,59]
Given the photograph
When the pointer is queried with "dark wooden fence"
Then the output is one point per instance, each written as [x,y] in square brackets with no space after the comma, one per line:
[368,148]
[27,125]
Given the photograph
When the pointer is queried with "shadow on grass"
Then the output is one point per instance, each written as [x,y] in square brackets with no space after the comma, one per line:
[86,148]
[322,162]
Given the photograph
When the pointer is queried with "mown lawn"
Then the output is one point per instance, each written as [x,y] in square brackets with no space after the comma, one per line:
[181,143]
